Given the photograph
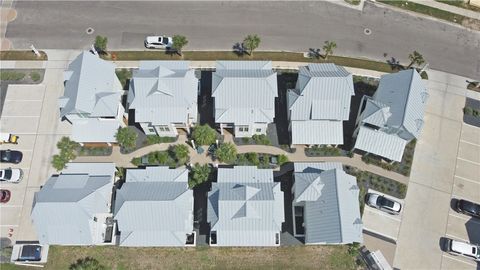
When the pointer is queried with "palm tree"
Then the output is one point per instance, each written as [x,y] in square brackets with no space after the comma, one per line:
[251,42]
[87,264]
[179,42]
[126,137]
[226,153]
[199,174]
[415,58]
[328,48]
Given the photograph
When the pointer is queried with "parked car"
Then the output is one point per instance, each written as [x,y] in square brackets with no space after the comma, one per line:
[4,195]
[10,156]
[29,252]
[383,203]
[158,42]
[11,175]
[468,208]
[456,248]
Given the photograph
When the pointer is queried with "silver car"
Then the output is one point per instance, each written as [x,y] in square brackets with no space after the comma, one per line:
[383,203]
[11,175]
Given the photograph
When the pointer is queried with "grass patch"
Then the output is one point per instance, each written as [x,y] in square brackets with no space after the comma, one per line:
[35,76]
[11,76]
[427,10]
[324,151]
[155,139]
[402,167]
[295,257]
[94,151]
[460,4]
[227,55]
[353,2]
[124,75]
[22,55]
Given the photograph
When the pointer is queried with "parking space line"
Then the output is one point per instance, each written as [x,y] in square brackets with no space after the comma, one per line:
[466,179]
[39,100]
[465,218]
[446,255]
[383,214]
[6,225]
[456,237]
[469,142]
[20,116]
[474,162]
[10,205]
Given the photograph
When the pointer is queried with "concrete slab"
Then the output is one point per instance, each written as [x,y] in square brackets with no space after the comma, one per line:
[470,134]
[22,108]
[26,230]
[380,223]
[44,149]
[25,92]
[457,263]
[25,143]
[10,215]
[373,243]
[435,101]
[453,106]
[465,189]
[468,170]
[469,151]
[19,125]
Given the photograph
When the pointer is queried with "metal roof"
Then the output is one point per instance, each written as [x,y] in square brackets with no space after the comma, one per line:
[245,207]
[380,143]
[244,92]
[375,113]
[64,209]
[95,130]
[314,132]
[405,93]
[163,92]
[154,207]
[331,206]
[92,87]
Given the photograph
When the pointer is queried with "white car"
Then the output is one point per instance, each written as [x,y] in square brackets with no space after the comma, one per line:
[158,42]
[467,250]
[383,203]
[11,175]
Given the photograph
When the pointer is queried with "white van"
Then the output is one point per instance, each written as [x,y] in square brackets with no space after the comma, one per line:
[467,250]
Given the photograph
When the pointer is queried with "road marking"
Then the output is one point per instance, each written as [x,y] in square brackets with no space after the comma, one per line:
[474,162]
[470,143]
[465,218]
[458,260]
[10,205]
[378,212]
[468,180]
[456,237]
[6,225]
[20,116]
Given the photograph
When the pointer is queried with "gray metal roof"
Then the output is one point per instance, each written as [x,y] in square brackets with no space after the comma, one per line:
[163,92]
[154,207]
[64,208]
[244,92]
[380,143]
[245,207]
[314,132]
[331,206]
[95,130]
[92,87]
[405,93]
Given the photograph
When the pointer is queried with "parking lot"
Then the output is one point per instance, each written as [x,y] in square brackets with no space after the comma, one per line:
[31,112]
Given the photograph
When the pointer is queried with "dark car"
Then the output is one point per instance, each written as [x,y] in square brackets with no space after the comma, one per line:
[4,195]
[468,208]
[10,156]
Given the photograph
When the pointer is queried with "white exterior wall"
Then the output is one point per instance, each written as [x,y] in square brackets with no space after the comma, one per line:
[253,129]
[149,129]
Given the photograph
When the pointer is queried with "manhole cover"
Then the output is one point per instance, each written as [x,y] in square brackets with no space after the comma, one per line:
[367,31]
[90,30]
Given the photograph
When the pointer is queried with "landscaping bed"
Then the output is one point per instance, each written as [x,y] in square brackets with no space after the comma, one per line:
[94,151]
[261,160]
[124,75]
[326,151]
[230,55]
[22,76]
[254,140]
[174,157]
[471,112]
[402,167]
[22,55]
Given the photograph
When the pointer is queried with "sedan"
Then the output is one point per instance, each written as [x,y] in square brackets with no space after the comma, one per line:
[11,175]
[383,203]
[11,156]
[468,208]
[4,195]
[158,42]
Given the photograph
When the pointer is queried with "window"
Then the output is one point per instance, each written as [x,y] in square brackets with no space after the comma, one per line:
[243,128]
[164,128]
[258,130]
[151,129]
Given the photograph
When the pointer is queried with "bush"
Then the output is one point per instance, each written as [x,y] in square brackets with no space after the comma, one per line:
[86,264]
[11,75]
[101,44]
[282,159]
[154,139]
[261,139]
[35,76]
[126,138]
[468,111]
[124,75]
[226,153]
[161,157]
[204,135]
[253,158]
[199,175]
[136,161]
[67,149]
[180,152]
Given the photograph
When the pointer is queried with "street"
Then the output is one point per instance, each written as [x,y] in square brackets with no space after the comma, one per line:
[294,26]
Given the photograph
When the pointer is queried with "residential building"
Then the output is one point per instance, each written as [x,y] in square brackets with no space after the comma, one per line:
[74,207]
[92,100]
[325,204]
[154,207]
[319,104]
[245,208]
[393,116]
[244,95]
[163,96]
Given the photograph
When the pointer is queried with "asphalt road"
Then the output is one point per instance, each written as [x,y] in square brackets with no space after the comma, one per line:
[293,26]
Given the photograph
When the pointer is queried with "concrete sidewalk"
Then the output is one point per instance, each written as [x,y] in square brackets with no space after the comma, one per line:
[450,8]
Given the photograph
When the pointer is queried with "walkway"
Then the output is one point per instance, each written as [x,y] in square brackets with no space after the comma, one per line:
[453,9]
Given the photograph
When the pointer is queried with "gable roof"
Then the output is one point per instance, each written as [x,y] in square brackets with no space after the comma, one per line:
[245,207]
[92,87]
[64,208]
[154,207]
[163,92]
[323,92]
[405,94]
[330,197]
[317,132]
[380,143]
[244,91]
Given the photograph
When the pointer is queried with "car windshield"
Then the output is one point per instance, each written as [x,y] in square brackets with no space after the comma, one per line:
[8,174]
[385,202]
[5,155]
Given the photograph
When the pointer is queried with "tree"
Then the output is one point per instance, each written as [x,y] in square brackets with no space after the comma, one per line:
[415,58]
[204,135]
[226,153]
[178,43]
[251,42]
[126,137]
[181,152]
[282,159]
[199,174]
[328,48]
[58,162]
[67,148]
[86,264]
[101,44]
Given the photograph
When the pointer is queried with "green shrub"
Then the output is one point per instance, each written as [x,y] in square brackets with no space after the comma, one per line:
[162,157]
[126,138]
[282,159]
[35,76]
[124,75]
[136,161]
[468,111]
[11,75]
[242,159]
[261,139]
[181,152]
[226,153]
[155,139]
[253,158]
[204,135]
[199,175]
[245,140]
